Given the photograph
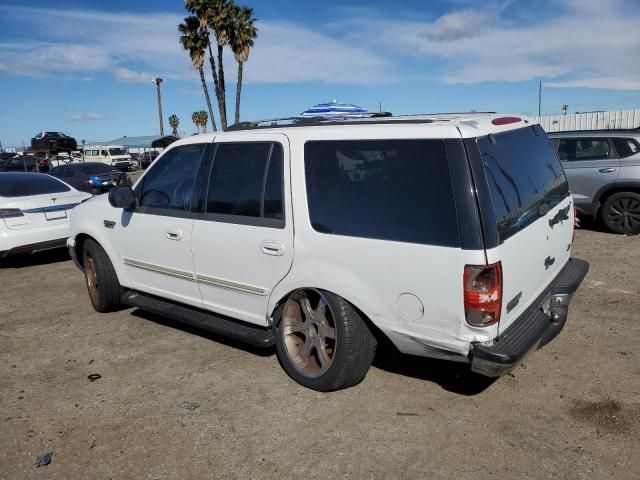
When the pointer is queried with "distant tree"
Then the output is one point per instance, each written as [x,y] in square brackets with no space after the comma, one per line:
[194,39]
[174,122]
[203,116]
[195,118]
[242,32]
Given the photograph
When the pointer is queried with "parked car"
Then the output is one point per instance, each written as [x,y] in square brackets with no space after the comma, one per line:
[603,169]
[53,141]
[449,235]
[34,212]
[7,155]
[24,163]
[113,155]
[92,177]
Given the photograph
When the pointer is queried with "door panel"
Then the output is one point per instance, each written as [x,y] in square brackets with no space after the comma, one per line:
[590,163]
[155,239]
[243,244]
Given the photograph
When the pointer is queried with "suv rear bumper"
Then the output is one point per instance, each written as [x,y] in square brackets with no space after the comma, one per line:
[536,327]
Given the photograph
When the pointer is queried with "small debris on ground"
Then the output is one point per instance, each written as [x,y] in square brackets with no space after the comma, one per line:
[43,459]
[189,405]
[94,376]
[407,414]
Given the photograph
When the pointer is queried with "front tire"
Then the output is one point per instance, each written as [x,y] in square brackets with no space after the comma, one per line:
[322,342]
[621,213]
[102,282]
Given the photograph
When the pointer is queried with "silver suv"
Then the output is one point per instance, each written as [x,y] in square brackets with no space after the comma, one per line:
[603,168]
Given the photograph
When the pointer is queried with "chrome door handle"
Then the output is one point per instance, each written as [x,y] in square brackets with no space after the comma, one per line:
[174,234]
[607,170]
[270,247]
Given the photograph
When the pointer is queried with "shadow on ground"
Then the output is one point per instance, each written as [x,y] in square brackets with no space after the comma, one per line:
[40,258]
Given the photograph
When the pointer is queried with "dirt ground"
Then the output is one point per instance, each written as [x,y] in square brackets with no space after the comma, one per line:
[572,411]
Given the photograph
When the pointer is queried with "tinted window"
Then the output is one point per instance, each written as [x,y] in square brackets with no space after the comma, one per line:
[524,175]
[96,168]
[170,182]
[626,147]
[384,189]
[580,149]
[246,180]
[25,185]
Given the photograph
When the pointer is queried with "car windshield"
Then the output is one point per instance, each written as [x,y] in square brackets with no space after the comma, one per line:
[97,168]
[117,151]
[24,185]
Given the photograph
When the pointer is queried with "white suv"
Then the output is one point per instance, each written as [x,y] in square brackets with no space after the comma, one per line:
[450,235]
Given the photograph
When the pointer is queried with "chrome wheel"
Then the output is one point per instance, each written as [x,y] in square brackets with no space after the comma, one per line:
[308,330]
[91,275]
[624,214]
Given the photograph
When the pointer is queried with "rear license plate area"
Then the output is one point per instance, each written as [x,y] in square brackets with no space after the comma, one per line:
[55,215]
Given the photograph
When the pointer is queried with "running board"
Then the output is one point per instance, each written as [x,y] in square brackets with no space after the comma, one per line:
[245,332]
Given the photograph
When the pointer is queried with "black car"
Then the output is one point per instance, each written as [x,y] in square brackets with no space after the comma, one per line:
[92,177]
[53,141]
[24,164]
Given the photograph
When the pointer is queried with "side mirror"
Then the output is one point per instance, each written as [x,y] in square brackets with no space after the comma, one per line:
[122,197]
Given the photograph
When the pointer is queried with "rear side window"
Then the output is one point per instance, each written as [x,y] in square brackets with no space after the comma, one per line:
[581,149]
[626,147]
[36,184]
[524,176]
[396,190]
[169,183]
[247,181]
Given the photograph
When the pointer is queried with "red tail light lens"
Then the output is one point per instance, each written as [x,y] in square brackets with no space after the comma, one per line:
[483,294]
[505,120]
[10,212]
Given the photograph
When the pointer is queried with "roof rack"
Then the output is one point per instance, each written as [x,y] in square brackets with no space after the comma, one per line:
[359,118]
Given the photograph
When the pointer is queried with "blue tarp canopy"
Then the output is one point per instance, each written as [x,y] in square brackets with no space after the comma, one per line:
[146,141]
[335,109]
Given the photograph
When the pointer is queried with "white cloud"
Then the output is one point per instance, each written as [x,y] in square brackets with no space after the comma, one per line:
[616,83]
[125,75]
[460,24]
[86,116]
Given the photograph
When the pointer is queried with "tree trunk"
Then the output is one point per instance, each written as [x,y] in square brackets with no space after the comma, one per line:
[216,83]
[223,99]
[206,95]
[238,91]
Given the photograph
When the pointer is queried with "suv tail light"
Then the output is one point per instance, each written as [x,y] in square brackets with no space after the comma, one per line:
[10,212]
[483,294]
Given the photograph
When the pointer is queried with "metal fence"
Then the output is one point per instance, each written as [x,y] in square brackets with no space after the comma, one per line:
[620,120]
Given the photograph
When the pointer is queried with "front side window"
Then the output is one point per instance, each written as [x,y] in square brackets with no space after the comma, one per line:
[104,153]
[169,184]
[247,181]
[398,190]
[626,147]
[581,149]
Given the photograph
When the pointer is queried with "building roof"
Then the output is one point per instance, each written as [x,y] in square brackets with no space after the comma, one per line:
[145,141]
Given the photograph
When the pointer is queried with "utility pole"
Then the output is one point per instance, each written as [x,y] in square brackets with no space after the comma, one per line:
[539,97]
[158,81]
[564,109]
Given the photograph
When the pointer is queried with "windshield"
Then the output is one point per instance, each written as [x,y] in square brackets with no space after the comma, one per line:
[525,177]
[117,151]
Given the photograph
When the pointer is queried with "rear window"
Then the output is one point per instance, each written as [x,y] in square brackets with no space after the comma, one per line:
[23,186]
[524,175]
[626,147]
[396,190]
[97,168]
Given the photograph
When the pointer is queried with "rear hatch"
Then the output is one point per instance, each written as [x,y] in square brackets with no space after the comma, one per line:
[39,211]
[527,213]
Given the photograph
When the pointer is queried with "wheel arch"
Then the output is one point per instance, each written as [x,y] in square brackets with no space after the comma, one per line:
[611,189]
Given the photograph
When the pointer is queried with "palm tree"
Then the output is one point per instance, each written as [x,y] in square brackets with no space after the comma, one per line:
[241,36]
[195,118]
[203,116]
[174,121]
[194,40]
[213,14]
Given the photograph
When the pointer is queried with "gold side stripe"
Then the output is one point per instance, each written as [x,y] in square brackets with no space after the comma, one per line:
[219,282]
[204,279]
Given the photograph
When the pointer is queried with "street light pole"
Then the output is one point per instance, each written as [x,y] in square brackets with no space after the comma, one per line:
[158,81]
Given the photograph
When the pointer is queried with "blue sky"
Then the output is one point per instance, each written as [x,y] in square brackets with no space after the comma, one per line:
[85,67]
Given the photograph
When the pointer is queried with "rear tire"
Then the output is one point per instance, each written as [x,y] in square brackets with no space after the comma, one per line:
[621,213]
[102,282]
[322,342]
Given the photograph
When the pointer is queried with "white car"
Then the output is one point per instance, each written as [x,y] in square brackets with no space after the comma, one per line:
[34,212]
[449,235]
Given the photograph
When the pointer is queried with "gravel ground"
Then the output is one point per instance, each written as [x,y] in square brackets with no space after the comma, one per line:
[571,411]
